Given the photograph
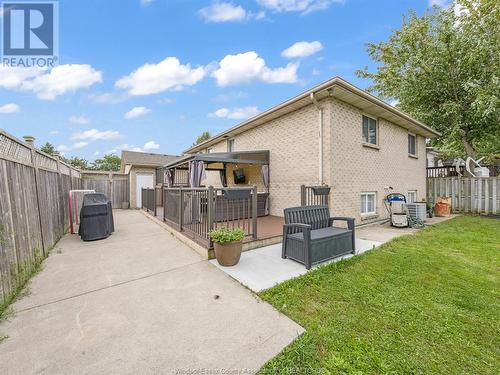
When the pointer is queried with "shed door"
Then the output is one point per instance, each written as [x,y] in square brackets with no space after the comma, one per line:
[143,180]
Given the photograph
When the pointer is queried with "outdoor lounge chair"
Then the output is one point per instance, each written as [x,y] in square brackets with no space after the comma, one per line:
[309,236]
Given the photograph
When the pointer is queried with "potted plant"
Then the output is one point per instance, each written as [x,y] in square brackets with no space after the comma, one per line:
[228,244]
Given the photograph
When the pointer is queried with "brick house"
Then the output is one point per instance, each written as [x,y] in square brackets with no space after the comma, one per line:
[333,134]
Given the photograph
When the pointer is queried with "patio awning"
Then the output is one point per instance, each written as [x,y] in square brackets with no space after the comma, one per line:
[237,157]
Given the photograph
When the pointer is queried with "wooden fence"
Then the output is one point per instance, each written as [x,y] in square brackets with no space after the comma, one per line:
[34,191]
[469,195]
[114,185]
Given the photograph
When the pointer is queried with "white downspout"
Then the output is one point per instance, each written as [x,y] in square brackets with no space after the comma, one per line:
[320,140]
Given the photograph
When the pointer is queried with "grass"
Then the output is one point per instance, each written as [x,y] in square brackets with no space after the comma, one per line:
[423,304]
[20,279]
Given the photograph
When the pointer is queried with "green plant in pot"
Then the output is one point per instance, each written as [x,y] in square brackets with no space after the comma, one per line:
[228,244]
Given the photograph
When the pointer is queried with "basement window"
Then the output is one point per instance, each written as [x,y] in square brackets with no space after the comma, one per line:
[412,196]
[368,203]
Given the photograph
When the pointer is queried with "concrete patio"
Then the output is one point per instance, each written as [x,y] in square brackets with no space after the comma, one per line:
[263,268]
[139,302]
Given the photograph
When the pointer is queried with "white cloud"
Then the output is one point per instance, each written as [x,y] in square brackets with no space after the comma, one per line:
[247,67]
[9,108]
[230,96]
[78,145]
[136,112]
[94,135]
[304,6]
[82,120]
[438,3]
[155,78]
[54,132]
[145,3]
[62,79]
[235,113]
[13,78]
[108,98]
[151,145]
[220,11]
[75,146]
[302,49]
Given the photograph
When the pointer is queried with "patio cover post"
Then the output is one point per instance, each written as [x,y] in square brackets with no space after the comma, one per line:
[254,212]
[265,179]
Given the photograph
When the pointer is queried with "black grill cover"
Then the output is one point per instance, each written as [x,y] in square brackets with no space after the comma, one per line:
[96,217]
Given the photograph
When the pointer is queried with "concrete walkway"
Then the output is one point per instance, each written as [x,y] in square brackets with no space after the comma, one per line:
[263,268]
[138,302]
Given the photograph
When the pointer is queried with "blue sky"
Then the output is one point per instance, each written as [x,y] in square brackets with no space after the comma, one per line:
[154,74]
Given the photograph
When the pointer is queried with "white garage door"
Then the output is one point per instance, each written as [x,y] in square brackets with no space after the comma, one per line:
[143,180]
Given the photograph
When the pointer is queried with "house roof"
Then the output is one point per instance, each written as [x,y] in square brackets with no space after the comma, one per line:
[146,158]
[337,88]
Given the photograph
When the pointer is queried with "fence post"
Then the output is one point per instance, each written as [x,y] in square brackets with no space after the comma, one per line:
[210,208]
[37,192]
[110,177]
[181,208]
[302,195]
[494,194]
[254,212]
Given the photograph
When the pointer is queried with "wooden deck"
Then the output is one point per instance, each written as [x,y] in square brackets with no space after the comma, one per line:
[269,230]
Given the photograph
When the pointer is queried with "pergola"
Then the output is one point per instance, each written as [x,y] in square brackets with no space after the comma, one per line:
[197,164]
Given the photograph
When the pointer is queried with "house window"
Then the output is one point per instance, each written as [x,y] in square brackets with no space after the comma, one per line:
[369,130]
[230,145]
[412,144]
[412,196]
[209,150]
[368,203]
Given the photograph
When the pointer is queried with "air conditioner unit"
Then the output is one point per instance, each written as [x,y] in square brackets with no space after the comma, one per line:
[417,210]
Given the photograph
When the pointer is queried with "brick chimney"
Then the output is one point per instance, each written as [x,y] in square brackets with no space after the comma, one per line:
[30,140]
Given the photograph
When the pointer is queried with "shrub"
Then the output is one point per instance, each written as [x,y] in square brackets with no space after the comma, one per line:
[225,235]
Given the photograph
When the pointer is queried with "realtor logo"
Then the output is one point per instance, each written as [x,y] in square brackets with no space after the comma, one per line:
[29,33]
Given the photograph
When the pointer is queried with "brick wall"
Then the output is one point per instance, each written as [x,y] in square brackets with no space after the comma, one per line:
[356,168]
[293,144]
[348,166]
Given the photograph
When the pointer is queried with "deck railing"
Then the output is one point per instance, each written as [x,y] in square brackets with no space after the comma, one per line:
[451,171]
[148,198]
[197,211]
[314,195]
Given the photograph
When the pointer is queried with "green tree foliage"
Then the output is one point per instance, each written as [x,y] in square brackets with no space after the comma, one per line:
[202,138]
[79,163]
[109,162]
[49,149]
[444,69]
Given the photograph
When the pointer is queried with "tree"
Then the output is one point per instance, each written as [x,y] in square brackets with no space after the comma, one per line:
[444,70]
[202,138]
[49,149]
[109,162]
[79,163]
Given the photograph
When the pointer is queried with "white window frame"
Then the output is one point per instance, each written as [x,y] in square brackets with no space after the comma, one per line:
[413,192]
[229,142]
[209,150]
[368,193]
[365,141]
[416,144]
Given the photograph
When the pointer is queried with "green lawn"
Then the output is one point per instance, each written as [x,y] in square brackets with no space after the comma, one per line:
[423,304]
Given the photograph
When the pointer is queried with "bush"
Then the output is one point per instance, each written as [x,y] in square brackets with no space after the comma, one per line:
[225,235]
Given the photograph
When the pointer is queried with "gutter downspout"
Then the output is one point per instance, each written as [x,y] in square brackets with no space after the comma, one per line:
[320,140]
